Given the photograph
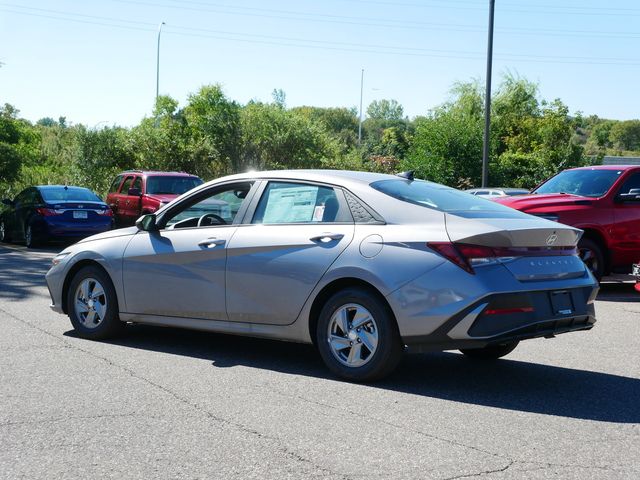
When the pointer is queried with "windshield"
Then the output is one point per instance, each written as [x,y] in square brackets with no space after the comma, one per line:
[171,185]
[586,183]
[68,194]
[444,199]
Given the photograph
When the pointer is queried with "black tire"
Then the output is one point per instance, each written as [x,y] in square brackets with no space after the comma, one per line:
[110,324]
[31,238]
[4,234]
[388,349]
[492,352]
[592,256]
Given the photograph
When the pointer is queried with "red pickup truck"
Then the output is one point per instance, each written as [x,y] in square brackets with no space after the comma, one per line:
[604,201]
[136,192]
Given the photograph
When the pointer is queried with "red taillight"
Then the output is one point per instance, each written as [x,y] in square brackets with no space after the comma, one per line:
[106,212]
[46,212]
[465,255]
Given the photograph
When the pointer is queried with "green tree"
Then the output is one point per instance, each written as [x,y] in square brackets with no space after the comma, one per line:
[385,110]
[625,135]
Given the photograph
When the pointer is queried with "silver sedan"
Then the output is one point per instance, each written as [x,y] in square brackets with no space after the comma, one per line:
[363,265]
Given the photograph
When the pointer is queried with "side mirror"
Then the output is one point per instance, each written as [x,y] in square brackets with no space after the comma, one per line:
[134,192]
[8,202]
[147,223]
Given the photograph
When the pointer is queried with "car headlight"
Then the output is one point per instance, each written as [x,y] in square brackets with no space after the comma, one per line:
[58,258]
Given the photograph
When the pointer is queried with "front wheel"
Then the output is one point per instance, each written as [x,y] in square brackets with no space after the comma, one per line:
[492,352]
[4,234]
[92,304]
[357,336]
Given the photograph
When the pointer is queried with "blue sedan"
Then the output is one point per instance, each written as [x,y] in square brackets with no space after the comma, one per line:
[53,212]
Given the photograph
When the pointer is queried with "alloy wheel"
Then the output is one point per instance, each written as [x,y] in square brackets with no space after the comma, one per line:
[2,232]
[28,236]
[352,335]
[589,258]
[90,303]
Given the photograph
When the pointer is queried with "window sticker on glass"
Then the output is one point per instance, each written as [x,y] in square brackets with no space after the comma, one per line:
[291,205]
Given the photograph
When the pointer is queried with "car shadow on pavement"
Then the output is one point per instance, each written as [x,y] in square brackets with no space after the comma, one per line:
[22,276]
[506,384]
[618,292]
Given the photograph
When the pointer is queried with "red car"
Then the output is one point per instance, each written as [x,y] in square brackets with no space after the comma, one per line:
[136,192]
[604,201]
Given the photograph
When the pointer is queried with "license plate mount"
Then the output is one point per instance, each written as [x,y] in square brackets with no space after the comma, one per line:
[561,302]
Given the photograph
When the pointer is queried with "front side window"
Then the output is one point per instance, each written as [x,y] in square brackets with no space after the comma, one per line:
[137,183]
[218,207]
[285,202]
[126,186]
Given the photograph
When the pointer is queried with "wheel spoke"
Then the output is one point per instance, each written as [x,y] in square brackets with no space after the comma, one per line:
[100,311]
[97,291]
[81,307]
[342,320]
[339,343]
[84,290]
[355,353]
[369,340]
[90,318]
[361,318]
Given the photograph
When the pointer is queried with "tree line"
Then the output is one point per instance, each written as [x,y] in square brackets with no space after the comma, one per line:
[213,135]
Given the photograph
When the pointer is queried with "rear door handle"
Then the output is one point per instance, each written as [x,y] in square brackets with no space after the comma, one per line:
[327,237]
[211,242]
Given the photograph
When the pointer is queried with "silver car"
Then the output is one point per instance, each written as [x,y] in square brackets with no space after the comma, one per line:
[363,265]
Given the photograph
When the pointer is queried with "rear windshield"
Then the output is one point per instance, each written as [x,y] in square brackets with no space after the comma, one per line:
[587,183]
[444,199]
[68,194]
[171,185]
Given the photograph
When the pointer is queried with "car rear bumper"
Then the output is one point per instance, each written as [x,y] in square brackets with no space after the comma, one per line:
[66,229]
[495,319]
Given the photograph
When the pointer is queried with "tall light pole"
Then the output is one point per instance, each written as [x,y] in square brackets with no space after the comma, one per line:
[158,62]
[487,100]
[360,122]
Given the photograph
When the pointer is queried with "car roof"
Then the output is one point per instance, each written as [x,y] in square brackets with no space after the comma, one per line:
[341,177]
[157,173]
[51,187]
[608,167]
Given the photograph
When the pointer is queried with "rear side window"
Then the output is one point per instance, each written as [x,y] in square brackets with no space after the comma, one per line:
[444,199]
[285,202]
[116,183]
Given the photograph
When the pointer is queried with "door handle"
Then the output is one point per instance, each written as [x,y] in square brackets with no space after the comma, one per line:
[211,242]
[327,237]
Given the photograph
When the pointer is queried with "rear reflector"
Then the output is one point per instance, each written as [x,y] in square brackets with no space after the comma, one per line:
[467,256]
[506,311]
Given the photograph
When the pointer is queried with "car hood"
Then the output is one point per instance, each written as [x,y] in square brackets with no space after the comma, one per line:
[528,202]
[119,232]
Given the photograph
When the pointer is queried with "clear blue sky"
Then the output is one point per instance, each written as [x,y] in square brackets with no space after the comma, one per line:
[94,61]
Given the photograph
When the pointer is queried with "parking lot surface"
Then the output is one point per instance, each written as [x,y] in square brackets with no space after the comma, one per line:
[166,403]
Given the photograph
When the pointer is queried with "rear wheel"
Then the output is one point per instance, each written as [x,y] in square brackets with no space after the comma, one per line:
[92,304]
[31,239]
[592,256]
[492,352]
[357,336]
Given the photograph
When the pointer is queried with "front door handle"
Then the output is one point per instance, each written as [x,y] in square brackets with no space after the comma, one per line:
[327,237]
[211,242]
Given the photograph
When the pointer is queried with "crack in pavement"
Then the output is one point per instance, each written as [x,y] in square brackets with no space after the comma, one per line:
[76,417]
[221,420]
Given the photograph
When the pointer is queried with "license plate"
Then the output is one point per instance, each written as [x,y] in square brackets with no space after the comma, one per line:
[79,214]
[635,271]
[561,302]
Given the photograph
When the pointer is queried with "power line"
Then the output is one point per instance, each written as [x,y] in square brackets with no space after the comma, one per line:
[328,45]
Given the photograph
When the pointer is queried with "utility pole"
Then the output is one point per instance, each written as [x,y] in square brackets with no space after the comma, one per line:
[360,123]
[487,100]
[158,62]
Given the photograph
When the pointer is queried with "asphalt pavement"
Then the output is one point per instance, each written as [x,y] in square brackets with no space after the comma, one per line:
[167,403]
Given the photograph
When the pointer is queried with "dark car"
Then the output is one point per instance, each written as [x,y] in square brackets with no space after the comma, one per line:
[49,212]
[136,192]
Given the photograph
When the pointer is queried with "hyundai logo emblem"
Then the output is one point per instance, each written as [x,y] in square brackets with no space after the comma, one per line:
[551,239]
